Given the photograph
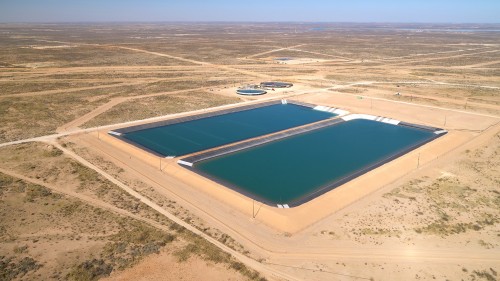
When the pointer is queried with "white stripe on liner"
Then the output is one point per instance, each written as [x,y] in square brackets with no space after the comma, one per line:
[321,108]
[280,206]
[185,163]
[286,206]
[114,133]
[340,112]
[359,116]
[392,121]
[440,132]
[371,117]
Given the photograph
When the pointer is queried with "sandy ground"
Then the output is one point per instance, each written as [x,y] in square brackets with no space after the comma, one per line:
[296,61]
[298,218]
[362,230]
[165,266]
[274,231]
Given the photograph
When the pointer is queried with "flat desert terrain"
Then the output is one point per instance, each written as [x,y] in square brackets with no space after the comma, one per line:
[78,204]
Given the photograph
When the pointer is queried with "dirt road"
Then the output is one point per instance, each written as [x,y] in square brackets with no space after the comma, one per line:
[248,261]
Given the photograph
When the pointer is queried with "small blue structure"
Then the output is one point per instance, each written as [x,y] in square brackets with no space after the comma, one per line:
[250,92]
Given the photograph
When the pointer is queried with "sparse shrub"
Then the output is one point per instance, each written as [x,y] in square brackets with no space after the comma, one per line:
[133,243]
[245,271]
[90,270]
[53,152]
[185,253]
[20,250]
[177,227]
[70,208]
[484,274]
[11,269]
[36,191]
[204,249]
[493,271]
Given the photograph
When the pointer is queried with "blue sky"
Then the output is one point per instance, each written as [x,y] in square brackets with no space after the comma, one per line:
[447,11]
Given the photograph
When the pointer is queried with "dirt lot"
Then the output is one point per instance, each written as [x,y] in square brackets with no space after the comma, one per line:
[65,218]
[63,221]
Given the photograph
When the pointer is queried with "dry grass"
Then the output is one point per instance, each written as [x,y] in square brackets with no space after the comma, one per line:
[158,106]
[79,56]
[449,205]
[40,225]
[460,206]
[87,242]
[20,87]
[157,197]
[43,53]
[93,241]
[40,161]
[25,117]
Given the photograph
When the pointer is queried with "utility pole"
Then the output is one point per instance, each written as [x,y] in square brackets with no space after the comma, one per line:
[253,208]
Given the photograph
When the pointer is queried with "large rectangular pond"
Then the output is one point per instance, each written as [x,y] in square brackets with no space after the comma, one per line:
[299,168]
[200,134]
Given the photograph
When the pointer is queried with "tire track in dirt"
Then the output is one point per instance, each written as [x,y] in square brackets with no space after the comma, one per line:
[440,58]
[51,92]
[298,252]
[241,257]
[273,51]
[116,101]
[87,199]
[113,102]
[208,64]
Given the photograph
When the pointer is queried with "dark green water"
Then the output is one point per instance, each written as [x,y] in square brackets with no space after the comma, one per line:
[285,171]
[197,135]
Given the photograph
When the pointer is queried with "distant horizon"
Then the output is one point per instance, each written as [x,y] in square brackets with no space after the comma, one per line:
[253,22]
[314,11]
